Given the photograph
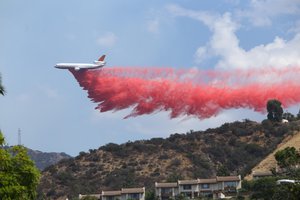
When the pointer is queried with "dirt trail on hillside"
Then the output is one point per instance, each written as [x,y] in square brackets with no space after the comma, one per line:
[269,162]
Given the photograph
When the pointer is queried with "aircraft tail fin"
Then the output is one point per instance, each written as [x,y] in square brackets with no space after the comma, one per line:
[101,58]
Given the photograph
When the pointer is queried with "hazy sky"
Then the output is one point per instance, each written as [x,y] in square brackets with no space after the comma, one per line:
[54,113]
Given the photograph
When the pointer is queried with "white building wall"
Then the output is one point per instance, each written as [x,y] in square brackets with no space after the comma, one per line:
[194,189]
[125,196]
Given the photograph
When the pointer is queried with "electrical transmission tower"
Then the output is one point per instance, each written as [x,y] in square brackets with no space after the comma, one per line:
[19,137]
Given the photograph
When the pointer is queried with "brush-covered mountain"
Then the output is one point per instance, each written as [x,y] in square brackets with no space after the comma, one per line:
[233,148]
[44,159]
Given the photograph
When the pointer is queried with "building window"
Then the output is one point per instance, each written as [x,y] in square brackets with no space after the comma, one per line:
[167,191]
[205,186]
[187,187]
[230,184]
[134,196]
[207,194]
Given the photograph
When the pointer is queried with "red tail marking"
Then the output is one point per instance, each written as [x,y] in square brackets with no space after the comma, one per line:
[101,58]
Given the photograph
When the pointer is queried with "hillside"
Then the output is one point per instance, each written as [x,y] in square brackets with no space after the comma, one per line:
[233,148]
[44,159]
[269,161]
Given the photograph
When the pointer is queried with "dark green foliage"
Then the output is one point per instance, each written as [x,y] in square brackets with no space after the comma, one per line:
[120,178]
[287,191]
[150,195]
[174,177]
[201,166]
[289,116]
[92,150]
[222,171]
[233,148]
[65,177]
[298,114]
[199,160]
[287,157]
[156,141]
[175,137]
[254,149]
[89,198]
[263,188]
[241,131]
[266,188]
[275,110]
[81,154]
[111,147]
[267,124]
[281,130]
[18,175]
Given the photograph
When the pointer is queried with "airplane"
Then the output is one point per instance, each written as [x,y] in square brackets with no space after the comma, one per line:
[78,66]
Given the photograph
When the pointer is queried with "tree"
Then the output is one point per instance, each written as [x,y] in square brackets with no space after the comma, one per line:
[288,116]
[2,90]
[174,177]
[287,191]
[18,175]
[150,195]
[263,188]
[275,110]
[287,157]
[298,115]
[267,188]
[222,171]
[89,198]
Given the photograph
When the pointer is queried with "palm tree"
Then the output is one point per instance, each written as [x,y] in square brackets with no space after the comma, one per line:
[2,90]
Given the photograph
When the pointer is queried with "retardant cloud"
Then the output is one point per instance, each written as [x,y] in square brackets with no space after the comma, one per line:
[202,94]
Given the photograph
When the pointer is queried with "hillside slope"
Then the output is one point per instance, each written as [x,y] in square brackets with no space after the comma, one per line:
[233,148]
[269,162]
[45,159]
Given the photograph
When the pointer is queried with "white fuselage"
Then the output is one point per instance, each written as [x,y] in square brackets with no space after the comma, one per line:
[78,66]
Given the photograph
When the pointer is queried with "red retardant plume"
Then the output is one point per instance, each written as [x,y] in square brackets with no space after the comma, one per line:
[202,94]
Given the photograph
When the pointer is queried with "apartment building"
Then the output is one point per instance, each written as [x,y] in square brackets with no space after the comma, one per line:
[123,194]
[261,174]
[165,191]
[213,187]
[188,188]
[133,193]
[111,195]
[229,183]
[208,186]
